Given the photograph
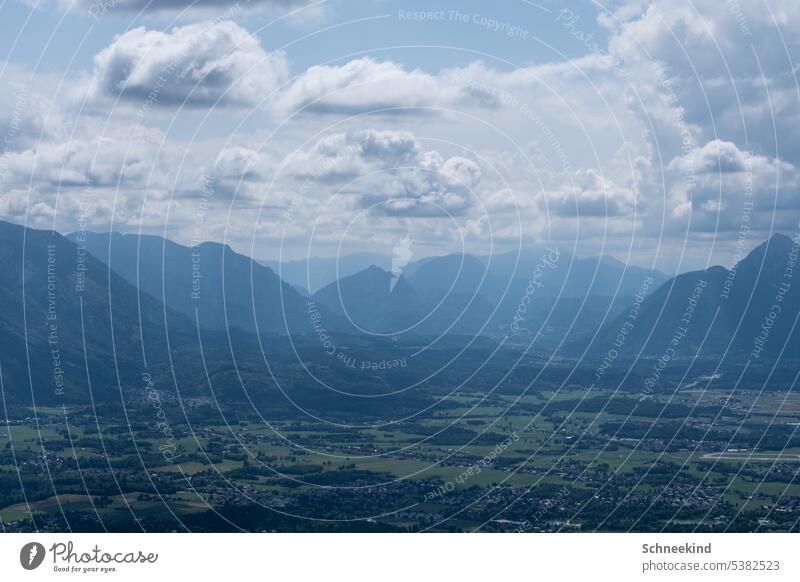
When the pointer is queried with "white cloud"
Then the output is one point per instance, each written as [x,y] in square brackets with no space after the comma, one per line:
[195,65]
[125,155]
[435,187]
[366,85]
[600,139]
[24,113]
[238,163]
[459,174]
[723,69]
[389,172]
[590,194]
[727,183]
[343,156]
[717,82]
[98,8]
[722,157]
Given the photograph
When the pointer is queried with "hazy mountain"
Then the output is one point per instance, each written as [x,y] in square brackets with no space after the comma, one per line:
[223,287]
[749,311]
[316,272]
[76,332]
[376,302]
[440,276]
[584,276]
[74,328]
[503,279]
[566,275]
[549,321]
[56,310]
[366,297]
[545,293]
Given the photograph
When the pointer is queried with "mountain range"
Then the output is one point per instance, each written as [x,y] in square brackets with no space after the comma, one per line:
[67,320]
[312,274]
[86,315]
[749,311]
[210,282]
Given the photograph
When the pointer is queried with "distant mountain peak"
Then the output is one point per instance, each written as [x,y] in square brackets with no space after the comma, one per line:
[777,241]
[775,248]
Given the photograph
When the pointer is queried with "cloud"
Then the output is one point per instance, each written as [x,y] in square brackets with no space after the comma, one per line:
[717,83]
[721,157]
[389,147]
[197,65]
[238,163]
[388,171]
[459,174]
[673,127]
[124,155]
[720,71]
[26,116]
[505,201]
[177,4]
[94,171]
[591,194]
[98,8]
[238,171]
[434,187]
[725,183]
[341,157]
[34,4]
[366,85]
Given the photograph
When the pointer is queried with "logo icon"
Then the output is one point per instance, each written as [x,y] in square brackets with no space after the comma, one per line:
[31,555]
[402,254]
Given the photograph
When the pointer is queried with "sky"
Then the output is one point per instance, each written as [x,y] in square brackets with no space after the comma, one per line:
[661,132]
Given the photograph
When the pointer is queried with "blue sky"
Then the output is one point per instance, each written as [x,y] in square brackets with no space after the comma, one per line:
[659,132]
[382,30]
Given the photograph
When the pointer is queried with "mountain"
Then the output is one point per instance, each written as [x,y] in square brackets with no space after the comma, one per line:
[746,312]
[72,328]
[558,273]
[369,302]
[562,296]
[457,273]
[222,287]
[76,332]
[316,272]
[565,275]
[373,301]
[597,276]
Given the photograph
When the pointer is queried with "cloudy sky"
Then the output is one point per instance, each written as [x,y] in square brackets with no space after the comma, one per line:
[663,132]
